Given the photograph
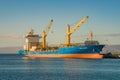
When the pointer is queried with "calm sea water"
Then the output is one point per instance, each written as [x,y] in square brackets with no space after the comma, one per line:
[15,67]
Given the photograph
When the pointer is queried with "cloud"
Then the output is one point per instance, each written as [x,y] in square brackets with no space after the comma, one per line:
[109,35]
[101,35]
[9,37]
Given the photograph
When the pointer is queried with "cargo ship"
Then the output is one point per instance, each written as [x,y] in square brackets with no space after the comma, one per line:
[34,48]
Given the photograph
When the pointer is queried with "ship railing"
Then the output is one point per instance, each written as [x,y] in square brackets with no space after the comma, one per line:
[47,49]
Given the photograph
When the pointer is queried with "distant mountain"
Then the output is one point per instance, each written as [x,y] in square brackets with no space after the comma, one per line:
[11,50]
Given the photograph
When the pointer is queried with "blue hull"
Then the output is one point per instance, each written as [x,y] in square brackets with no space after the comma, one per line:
[93,49]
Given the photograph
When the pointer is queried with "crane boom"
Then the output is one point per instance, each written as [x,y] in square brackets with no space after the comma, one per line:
[44,35]
[69,32]
[78,25]
[48,27]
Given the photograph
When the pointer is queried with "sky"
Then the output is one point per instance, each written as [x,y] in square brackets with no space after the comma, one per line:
[17,17]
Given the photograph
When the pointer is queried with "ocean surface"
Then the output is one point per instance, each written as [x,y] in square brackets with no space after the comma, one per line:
[15,67]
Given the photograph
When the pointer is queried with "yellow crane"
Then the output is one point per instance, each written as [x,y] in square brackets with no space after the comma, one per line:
[31,32]
[74,29]
[45,34]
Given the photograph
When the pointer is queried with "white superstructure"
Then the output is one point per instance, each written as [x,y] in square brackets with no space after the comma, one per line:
[32,41]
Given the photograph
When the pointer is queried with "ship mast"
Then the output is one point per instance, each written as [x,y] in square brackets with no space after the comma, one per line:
[91,36]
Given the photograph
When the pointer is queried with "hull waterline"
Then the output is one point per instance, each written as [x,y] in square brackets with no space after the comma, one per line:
[82,56]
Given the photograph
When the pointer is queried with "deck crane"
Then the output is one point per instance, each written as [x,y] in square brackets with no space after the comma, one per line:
[74,29]
[44,35]
[31,32]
